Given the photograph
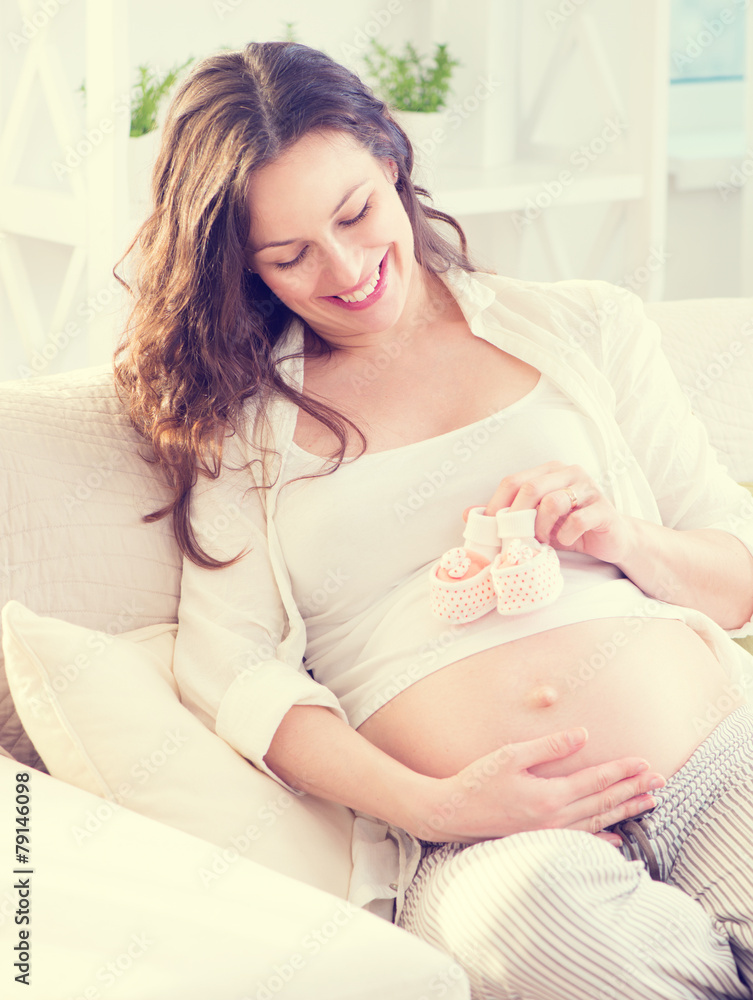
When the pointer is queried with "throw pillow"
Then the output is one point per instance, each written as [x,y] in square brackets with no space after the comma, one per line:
[103,711]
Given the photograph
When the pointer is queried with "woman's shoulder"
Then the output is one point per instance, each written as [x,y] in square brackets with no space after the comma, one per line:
[574,318]
[589,297]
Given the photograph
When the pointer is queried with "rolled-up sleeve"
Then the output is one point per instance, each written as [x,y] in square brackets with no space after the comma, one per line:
[692,488]
[238,656]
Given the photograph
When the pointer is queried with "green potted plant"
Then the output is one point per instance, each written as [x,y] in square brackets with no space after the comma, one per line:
[408,81]
[416,87]
[147,97]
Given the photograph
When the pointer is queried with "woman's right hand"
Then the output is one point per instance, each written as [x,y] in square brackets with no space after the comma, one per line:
[498,795]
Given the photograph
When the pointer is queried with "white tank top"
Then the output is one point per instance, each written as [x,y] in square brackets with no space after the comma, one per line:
[358,545]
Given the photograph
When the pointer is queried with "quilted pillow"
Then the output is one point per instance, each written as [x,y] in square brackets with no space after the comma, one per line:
[104,712]
[72,492]
[709,343]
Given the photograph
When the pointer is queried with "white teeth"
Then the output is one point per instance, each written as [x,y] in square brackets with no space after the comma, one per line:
[365,291]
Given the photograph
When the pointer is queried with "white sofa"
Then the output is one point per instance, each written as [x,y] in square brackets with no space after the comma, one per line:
[147,823]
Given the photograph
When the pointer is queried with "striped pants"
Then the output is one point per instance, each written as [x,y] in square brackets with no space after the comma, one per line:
[562,915]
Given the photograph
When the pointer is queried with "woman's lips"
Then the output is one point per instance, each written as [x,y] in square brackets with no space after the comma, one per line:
[370,299]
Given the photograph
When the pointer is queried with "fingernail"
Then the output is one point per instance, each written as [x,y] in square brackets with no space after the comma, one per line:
[656,783]
[643,766]
[575,737]
[615,841]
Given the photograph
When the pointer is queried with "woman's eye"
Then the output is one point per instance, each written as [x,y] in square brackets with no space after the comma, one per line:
[292,263]
[284,265]
[361,215]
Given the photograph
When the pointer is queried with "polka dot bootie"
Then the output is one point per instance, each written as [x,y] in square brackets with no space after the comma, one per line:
[468,582]
[526,574]
[460,584]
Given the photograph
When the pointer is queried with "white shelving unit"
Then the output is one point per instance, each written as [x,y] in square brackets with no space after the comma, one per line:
[86,216]
[549,73]
[524,172]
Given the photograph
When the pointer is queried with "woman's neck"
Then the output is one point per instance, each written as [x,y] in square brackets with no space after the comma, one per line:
[428,302]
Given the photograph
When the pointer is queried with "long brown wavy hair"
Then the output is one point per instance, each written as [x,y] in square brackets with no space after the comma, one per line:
[201,338]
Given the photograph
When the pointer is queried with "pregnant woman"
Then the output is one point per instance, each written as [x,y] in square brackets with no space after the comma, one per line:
[329,384]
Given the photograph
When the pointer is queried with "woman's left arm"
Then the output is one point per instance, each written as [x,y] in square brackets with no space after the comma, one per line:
[706,569]
[701,554]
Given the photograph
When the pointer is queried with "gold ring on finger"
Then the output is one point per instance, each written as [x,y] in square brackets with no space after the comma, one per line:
[573,496]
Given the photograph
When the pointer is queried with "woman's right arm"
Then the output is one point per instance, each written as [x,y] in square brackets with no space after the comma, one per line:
[315,751]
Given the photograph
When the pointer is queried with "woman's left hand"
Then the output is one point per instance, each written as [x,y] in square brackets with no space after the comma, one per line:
[572,512]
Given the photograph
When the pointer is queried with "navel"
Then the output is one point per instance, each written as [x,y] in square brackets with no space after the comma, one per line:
[543,696]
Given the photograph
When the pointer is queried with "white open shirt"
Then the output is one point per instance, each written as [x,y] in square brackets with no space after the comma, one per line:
[241,640]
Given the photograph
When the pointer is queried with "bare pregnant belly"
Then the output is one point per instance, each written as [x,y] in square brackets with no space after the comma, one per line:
[638,685]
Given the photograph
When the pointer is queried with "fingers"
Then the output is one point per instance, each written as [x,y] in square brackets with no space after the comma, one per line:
[590,781]
[626,810]
[616,800]
[559,519]
[523,489]
[555,746]
[554,490]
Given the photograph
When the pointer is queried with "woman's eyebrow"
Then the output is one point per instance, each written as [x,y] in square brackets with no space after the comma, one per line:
[284,243]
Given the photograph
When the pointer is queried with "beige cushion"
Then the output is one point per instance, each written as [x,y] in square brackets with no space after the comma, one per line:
[73,488]
[709,343]
[104,714]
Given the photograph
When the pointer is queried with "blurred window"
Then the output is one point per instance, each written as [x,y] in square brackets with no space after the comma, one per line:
[707,40]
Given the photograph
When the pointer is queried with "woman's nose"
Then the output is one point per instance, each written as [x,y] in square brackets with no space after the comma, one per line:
[343,265]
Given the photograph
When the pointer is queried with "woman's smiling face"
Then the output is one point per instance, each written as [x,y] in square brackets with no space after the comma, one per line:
[331,238]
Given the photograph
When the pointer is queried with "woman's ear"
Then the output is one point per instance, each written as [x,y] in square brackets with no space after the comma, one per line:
[392,170]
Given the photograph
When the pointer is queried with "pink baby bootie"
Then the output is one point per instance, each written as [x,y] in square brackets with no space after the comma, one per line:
[526,574]
[460,584]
